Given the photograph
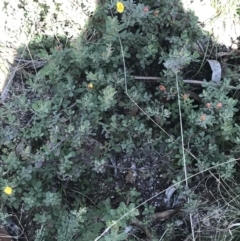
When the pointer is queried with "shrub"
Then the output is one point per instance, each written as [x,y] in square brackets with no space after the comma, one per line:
[84,112]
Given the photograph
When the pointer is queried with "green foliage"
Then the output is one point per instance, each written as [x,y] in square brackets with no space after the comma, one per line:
[219,129]
[78,113]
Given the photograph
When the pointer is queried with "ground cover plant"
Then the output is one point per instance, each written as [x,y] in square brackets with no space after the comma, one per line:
[103,136]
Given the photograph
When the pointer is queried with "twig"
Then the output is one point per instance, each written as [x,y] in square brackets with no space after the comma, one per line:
[198,82]
[36,63]
[146,77]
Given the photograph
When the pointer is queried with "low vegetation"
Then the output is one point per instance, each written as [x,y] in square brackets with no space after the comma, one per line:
[114,127]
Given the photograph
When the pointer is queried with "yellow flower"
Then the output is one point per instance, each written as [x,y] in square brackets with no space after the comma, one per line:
[8,190]
[120,7]
[90,86]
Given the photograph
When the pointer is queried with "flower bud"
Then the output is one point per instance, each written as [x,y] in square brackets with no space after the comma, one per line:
[145,9]
[155,13]
[219,105]
[203,117]
[208,105]
[185,96]
[162,88]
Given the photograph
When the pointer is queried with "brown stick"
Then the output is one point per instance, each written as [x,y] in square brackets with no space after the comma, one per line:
[198,82]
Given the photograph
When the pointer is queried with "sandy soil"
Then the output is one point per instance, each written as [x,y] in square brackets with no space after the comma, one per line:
[222,22]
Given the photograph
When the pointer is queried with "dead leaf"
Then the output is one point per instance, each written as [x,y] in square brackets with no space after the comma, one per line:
[19,148]
[168,193]
[130,177]
[140,225]
[165,214]
[216,70]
